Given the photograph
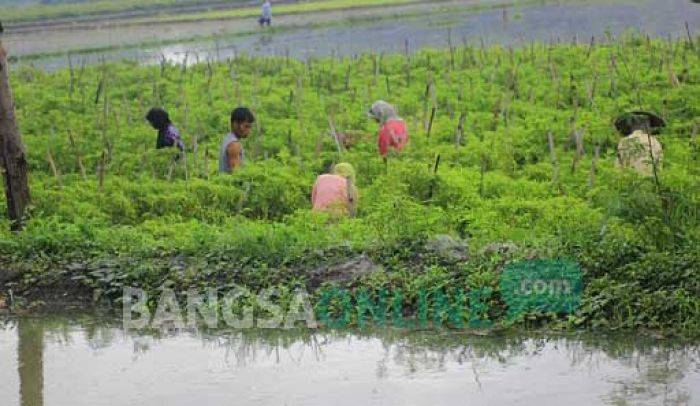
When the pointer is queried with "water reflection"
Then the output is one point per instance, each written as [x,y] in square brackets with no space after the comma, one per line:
[30,333]
[56,354]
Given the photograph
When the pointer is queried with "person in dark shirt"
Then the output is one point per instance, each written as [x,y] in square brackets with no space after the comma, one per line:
[168,135]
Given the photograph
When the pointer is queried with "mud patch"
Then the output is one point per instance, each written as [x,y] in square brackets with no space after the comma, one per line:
[344,271]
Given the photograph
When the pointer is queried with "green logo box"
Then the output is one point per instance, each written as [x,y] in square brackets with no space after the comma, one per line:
[544,286]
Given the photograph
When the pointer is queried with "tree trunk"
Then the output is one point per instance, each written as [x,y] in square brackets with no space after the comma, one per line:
[12,154]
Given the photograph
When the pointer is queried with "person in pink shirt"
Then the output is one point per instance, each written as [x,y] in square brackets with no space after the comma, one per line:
[393,135]
[335,193]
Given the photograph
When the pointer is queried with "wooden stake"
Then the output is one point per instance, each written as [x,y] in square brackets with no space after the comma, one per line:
[553,157]
[171,169]
[52,165]
[694,140]
[334,133]
[672,78]
[184,163]
[459,133]
[690,36]
[206,163]
[101,170]
[430,123]
[347,78]
[78,158]
[437,164]
[590,47]
[72,76]
[12,153]
[482,171]
[594,167]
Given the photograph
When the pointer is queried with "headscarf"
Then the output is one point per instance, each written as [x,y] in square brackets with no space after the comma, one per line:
[346,170]
[383,111]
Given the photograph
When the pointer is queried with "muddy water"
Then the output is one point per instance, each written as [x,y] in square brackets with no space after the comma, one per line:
[89,361]
[521,24]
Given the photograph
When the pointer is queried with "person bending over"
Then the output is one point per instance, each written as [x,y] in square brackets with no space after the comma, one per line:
[393,135]
[639,149]
[168,135]
[335,193]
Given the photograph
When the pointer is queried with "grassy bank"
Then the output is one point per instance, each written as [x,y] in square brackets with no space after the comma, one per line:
[109,211]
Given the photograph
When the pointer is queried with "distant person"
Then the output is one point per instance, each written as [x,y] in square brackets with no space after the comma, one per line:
[266,17]
[639,149]
[232,154]
[168,135]
[393,134]
[336,193]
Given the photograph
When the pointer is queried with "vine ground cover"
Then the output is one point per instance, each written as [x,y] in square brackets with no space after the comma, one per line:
[109,211]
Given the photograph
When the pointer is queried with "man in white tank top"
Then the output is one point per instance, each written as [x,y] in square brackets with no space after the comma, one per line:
[232,154]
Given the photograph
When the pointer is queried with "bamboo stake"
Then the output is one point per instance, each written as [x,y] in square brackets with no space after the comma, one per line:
[590,47]
[101,170]
[244,197]
[672,78]
[334,133]
[195,151]
[432,118]
[78,158]
[654,164]
[592,89]
[52,165]
[690,36]
[162,65]
[407,69]
[437,164]
[425,107]
[433,181]
[375,69]
[694,140]
[184,163]
[482,171]
[459,133]
[553,157]
[594,167]
[206,163]
[347,78]
[171,169]
[72,75]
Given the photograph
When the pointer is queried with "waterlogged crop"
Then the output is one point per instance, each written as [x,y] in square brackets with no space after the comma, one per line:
[511,157]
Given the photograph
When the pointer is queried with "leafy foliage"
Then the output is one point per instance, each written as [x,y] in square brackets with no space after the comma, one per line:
[494,181]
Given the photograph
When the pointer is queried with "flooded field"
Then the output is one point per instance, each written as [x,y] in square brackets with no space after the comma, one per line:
[91,361]
[563,21]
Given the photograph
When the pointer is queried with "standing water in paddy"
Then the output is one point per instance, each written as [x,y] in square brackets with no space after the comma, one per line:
[513,25]
[49,357]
